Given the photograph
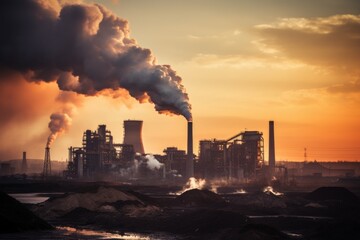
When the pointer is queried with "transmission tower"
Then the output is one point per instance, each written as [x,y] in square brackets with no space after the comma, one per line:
[47,163]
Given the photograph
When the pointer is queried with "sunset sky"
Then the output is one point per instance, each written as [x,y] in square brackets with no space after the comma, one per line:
[242,64]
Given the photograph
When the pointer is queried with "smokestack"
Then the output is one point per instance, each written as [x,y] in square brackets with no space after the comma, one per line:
[132,135]
[190,161]
[24,163]
[271,147]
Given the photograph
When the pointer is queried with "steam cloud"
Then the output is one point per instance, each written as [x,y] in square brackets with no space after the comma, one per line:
[86,49]
[152,162]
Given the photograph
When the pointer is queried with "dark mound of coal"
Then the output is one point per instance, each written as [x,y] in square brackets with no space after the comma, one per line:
[333,194]
[93,201]
[79,216]
[196,197]
[14,217]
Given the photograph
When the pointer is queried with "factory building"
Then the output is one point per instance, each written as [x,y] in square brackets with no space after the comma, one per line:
[98,155]
[175,162]
[239,157]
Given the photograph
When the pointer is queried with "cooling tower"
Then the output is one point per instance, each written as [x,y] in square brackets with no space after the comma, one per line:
[132,135]
[190,161]
[271,147]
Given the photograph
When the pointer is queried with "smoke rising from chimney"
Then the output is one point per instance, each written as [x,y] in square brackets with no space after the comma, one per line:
[86,49]
[61,121]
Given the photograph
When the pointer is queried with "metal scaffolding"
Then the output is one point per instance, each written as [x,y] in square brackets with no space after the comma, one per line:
[47,163]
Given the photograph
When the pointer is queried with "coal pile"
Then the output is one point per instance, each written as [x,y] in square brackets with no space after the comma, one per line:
[108,200]
[15,217]
[339,194]
[196,197]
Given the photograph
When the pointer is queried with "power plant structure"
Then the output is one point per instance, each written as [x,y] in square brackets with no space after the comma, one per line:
[132,135]
[99,154]
[239,157]
[175,161]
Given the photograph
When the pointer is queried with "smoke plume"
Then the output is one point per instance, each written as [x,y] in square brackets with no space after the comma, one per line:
[61,121]
[86,49]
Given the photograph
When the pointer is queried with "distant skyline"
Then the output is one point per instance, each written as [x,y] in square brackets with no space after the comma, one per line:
[243,63]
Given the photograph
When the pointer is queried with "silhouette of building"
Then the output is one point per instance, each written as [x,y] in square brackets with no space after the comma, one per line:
[175,161]
[98,155]
[239,157]
[132,135]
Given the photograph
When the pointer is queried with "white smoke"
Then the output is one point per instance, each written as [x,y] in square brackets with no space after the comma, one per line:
[192,183]
[152,163]
[147,161]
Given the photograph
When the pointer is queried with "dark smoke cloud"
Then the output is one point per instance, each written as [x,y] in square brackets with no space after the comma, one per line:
[85,49]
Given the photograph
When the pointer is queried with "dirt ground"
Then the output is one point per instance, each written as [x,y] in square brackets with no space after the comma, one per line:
[303,213]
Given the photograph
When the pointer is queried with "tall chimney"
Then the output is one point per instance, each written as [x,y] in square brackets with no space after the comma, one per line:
[271,147]
[24,163]
[132,135]
[190,161]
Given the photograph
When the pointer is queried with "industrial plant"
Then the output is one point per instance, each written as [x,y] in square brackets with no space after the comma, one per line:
[120,184]
[239,158]
[99,155]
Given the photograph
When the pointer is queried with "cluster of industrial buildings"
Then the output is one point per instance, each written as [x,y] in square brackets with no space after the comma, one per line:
[240,157]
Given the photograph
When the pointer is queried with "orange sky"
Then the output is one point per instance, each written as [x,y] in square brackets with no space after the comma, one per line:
[242,65]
